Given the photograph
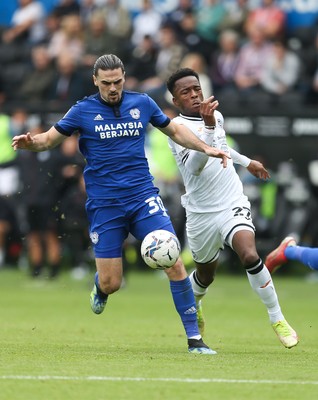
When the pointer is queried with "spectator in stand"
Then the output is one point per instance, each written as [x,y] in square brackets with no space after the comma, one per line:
[312,71]
[269,17]
[235,18]
[187,34]
[68,38]
[170,55]
[27,24]
[118,20]
[281,73]
[67,85]
[142,64]
[147,22]
[35,88]
[224,63]
[177,15]
[98,40]
[209,18]
[252,56]
[66,7]
[87,9]
[53,24]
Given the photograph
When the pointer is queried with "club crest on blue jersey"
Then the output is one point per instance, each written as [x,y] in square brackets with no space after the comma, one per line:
[135,113]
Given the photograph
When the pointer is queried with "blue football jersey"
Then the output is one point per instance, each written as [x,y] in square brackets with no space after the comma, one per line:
[112,140]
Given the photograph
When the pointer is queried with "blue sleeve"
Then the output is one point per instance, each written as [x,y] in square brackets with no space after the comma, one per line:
[158,118]
[71,122]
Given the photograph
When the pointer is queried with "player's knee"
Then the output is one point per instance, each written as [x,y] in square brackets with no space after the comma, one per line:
[205,279]
[177,271]
[109,285]
[248,257]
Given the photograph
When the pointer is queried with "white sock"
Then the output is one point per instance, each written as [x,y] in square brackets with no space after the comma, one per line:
[196,337]
[263,285]
[199,290]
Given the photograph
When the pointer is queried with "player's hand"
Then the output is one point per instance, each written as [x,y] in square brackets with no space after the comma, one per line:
[257,169]
[213,152]
[207,108]
[22,141]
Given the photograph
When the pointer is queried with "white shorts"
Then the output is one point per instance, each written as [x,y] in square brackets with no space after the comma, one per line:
[208,232]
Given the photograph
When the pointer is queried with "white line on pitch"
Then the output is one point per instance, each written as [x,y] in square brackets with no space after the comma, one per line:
[141,379]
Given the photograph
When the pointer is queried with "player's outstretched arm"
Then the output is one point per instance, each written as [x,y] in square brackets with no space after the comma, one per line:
[257,169]
[39,142]
[183,136]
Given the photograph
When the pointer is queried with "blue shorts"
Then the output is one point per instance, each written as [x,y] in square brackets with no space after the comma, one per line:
[111,220]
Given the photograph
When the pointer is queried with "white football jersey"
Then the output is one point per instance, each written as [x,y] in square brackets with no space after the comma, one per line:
[215,188]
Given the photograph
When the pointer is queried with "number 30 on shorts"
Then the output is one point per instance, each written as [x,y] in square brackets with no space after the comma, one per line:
[155,204]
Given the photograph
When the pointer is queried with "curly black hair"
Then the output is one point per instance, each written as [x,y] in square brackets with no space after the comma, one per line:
[180,73]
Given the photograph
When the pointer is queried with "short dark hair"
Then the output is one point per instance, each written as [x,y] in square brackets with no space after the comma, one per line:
[180,73]
[106,62]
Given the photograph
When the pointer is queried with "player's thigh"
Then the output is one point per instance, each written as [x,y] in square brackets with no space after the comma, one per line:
[204,238]
[108,228]
[237,219]
[150,215]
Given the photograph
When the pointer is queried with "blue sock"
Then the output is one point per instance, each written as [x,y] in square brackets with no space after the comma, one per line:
[184,302]
[306,255]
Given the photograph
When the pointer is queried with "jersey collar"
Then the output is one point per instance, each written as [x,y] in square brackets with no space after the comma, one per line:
[110,105]
[115,107]
[195,119]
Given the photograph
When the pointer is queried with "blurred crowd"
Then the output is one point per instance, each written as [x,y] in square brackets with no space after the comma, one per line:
[244,51]
[239,49]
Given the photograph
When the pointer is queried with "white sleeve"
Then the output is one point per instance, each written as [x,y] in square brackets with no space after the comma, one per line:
[239,158]
[195,161]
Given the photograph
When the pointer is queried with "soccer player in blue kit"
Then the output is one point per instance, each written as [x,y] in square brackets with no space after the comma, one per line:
[122,199]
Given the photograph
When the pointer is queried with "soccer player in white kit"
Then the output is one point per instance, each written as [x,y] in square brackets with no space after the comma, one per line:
[217,210]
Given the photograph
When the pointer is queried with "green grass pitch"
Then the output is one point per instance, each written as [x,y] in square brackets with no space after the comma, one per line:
[52,347]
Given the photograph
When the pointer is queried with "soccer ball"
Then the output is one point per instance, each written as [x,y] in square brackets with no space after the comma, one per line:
[160,249]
